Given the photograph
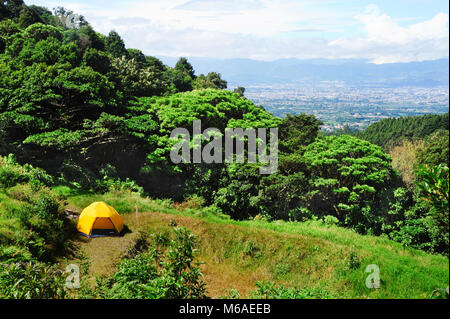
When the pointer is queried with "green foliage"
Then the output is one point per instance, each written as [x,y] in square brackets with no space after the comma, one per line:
[297,131]
[434,188]
[349,179]
[268,290]
[8,28]
[407,220]
[115,45]
[42,214]
[238,195]
[183,75]
[440,293]
[28,17]
[158,274]
[137,80]
[251,249]
[97,60]
[32,280]
[11,8]
[393,130]
[435,150]
[330,220]
[352,262]
[11,174]
[213,81]
[32,226]
[185,67]
[239,90]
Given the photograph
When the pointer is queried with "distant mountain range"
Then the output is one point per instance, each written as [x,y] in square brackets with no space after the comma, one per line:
[247,72]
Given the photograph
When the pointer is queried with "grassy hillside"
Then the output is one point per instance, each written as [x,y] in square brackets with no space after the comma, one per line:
[325,260]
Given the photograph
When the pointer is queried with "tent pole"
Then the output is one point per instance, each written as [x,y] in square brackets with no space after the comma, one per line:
[137,221]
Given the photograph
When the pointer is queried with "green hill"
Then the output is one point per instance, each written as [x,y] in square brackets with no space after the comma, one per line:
[392,130]
[320,259]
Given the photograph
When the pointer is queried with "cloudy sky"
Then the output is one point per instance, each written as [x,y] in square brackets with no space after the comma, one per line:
[382,31]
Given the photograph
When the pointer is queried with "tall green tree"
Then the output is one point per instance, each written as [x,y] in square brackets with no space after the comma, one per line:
[185,67]
[433,185]
[298,131]
[28,17]
[349,179]
[213,81]
[115,45]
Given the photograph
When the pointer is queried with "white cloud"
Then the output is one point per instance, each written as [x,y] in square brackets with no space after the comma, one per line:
[266,29]
[385,41]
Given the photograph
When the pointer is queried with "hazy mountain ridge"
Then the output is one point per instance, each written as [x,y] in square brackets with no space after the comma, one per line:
[354,72]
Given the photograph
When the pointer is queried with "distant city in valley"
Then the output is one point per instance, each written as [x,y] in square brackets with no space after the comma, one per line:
[337,104]
[339,92]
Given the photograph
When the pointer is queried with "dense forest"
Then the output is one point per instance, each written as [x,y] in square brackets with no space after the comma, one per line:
[78,108]
[389,132]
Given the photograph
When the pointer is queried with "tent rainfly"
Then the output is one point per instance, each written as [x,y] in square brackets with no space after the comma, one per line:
[99,219]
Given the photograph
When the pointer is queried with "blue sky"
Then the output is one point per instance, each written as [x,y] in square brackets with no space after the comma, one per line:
[381,31]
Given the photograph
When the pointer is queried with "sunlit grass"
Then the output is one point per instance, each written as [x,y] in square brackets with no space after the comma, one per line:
[301,254]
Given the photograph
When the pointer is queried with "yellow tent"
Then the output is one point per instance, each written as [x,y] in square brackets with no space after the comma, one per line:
[99,219]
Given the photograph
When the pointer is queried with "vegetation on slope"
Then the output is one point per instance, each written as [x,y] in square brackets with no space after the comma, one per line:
[313,259]
[97,116]
[390,131]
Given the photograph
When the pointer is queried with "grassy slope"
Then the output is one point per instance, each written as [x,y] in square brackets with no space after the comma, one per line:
[306,255]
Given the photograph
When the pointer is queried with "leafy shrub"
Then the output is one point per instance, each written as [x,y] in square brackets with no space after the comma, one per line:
[433,187]
[156,274]
[440,293]
[281,270]
[118,185]
[330,220]
[192,202]
[268,290]
[140,245]
[353,262]
[42,229]
[407,220]
[9,178]
[11,174]
[161,238]
[251,249]
[32,280]
[435,150]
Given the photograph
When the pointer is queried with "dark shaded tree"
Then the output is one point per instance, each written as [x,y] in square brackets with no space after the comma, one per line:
[239,90]
[115,45]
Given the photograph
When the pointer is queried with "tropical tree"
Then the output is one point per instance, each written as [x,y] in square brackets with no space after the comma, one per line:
[349,179]
[434,188]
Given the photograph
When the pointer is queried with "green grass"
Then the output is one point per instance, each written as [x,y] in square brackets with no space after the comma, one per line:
[306,255]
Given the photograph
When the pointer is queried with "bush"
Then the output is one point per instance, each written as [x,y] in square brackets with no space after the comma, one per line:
[330,220]
[353,261]
[434,189]
[406,220]
[41,227]
[192,202]
[158,274]
[32,280]
[9,178]
[268,290]
[12,174]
